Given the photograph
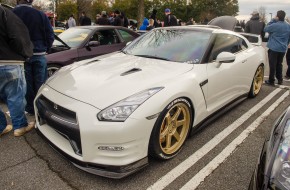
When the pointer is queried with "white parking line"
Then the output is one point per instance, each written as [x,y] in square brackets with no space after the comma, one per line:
[190,161]
[210,167]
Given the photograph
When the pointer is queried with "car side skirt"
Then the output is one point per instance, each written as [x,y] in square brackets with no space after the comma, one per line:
[116,172]
[208,120]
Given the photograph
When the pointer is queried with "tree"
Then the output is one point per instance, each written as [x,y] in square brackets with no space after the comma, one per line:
[67,9]
[141,12]
[262,14]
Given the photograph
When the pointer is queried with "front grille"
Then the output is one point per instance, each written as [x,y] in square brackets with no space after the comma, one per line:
[62,120]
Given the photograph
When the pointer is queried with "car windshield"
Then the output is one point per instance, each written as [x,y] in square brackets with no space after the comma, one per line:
[177,45]
[73,37]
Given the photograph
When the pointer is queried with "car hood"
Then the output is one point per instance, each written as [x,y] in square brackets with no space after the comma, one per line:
[105,80]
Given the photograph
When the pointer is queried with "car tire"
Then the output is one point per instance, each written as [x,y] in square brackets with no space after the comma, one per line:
[171,129]
[257,82]
[52,68]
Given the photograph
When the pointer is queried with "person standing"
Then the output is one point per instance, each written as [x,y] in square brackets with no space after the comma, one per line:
[255,25]
[118,20]
[279,37]
[287,76]
[84,20]
[169,20]
[71,21]
[144,24]
[151,24]
[15,48]
[103,20]
[42,37]
[154,17]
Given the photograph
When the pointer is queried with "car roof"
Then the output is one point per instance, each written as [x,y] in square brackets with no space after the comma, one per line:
[101,26]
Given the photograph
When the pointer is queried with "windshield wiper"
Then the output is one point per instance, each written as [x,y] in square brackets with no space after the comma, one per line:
[153,57]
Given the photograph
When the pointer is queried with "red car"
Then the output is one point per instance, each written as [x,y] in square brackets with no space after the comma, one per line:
[85,42]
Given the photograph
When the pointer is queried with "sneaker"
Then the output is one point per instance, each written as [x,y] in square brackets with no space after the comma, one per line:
[6,130]
[280,82]
[23,130]
[286,77]
[269,83]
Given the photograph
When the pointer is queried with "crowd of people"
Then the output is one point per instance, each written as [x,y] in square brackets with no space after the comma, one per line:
[26,35]
[118,18]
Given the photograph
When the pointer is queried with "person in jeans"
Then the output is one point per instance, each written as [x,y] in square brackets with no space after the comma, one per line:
[42,37]
[15,48]
[279,37]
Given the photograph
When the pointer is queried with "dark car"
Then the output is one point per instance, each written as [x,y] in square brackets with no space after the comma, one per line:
[78,43]
[273,168]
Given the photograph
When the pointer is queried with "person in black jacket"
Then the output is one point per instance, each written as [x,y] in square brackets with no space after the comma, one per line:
[255,26]
[42,37]
[103,20]
[84,20]
[118,20]
[15,48]
[170,20]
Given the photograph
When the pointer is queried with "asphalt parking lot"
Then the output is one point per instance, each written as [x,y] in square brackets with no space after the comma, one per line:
[29,163]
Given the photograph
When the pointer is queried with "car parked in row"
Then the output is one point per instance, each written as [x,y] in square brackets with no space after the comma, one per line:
[109,113]
[273,168]
[79,43]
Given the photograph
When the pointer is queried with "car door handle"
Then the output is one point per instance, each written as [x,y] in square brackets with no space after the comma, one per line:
[244,61]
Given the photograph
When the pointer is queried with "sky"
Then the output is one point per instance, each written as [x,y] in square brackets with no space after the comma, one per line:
[246,7]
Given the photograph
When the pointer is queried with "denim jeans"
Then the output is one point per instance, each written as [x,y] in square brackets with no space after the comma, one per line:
[12,92]
[36,75]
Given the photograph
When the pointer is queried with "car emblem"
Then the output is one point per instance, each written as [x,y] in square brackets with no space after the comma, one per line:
[55,106]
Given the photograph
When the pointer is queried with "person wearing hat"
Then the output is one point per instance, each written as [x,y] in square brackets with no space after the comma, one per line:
[42,37]
[103,20]
[279,38]
[255,25]
[15,48]
[169,20]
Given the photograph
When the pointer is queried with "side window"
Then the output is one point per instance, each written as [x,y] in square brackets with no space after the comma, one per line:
[126,36]
[105,37]
[224,43]
[243,45]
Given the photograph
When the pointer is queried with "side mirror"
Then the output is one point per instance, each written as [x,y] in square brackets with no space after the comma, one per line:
[225,57]
[93,43]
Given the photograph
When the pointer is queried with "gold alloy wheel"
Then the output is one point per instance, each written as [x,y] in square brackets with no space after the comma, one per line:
[258,79]
[174,128]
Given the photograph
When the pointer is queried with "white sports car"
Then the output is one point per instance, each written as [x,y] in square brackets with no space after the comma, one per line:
[109,113]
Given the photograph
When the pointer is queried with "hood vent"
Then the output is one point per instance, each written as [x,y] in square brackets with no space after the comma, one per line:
[134,70]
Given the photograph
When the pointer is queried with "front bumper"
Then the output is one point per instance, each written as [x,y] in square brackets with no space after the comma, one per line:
[71,127]
[116,172]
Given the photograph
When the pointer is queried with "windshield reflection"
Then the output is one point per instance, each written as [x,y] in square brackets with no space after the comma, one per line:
[171,44]
[73,37]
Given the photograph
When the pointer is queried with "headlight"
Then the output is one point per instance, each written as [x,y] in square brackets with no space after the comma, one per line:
[120,111]
[280,176]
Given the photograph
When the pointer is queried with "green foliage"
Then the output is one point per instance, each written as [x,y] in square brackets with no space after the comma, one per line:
[66,9]
[197,9]
[129,7]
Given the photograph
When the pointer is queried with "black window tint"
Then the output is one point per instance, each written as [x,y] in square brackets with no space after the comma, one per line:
[224,43]
[126,36]
[105,37]
[244,45]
